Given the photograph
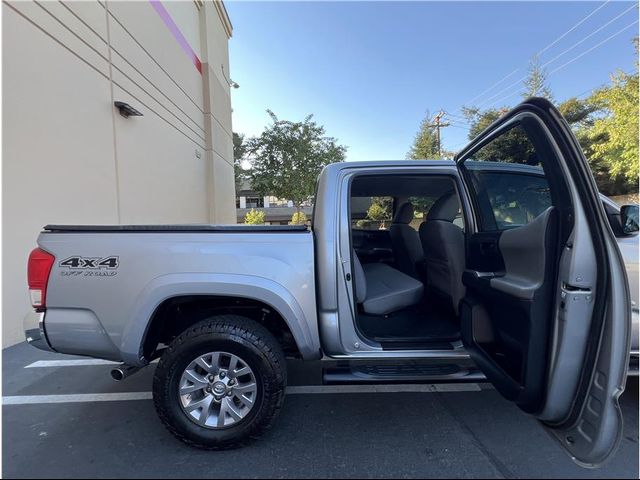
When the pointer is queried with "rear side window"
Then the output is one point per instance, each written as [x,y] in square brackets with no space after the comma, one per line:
[371,213]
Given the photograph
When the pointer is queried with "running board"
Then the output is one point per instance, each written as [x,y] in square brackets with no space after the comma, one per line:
[382,374]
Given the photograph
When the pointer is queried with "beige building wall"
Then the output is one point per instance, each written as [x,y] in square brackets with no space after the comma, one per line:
[70,157]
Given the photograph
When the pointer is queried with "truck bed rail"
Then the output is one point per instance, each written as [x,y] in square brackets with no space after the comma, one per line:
[194,228]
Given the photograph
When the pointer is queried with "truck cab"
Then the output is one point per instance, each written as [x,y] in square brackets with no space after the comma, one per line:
[500,263]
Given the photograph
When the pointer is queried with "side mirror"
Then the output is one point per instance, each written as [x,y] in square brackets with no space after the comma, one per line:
[629,218]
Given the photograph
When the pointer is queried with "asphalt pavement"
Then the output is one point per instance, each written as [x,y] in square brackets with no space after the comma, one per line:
[64,417]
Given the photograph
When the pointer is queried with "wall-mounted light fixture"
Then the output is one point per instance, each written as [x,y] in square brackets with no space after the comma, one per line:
[127,110]
[229,81]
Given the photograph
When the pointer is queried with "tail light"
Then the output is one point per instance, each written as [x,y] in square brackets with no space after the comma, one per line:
[38,270]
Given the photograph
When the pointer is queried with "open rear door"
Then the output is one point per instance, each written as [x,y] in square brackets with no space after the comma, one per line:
[546,314]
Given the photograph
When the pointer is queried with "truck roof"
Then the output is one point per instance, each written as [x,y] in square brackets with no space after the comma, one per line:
[391,163]
[471,164]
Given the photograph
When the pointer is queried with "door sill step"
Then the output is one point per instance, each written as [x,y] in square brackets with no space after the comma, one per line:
[381,374]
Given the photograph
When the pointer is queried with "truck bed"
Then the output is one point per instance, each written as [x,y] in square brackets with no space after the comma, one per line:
[175,228]
[108,280]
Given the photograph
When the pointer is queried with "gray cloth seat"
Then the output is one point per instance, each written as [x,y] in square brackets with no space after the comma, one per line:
[444,251]
[382,289]
[405,241]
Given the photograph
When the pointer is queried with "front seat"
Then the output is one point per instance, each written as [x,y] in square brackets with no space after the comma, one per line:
[405,241]
[444,252]
[381,289]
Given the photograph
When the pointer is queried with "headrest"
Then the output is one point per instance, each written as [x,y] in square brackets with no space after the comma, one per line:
[446,208]
[404,214]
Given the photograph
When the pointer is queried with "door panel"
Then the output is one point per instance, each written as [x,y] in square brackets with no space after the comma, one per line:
[372,245]
[506,314]
[483,252]
[528,254]
[547,311]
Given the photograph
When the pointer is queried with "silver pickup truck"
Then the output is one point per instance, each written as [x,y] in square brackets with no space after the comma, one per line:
[500,265]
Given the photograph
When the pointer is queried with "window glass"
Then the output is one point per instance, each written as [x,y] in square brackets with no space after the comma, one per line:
[509,181]
[255,202]
[515,199]
[371,213]
[421,207]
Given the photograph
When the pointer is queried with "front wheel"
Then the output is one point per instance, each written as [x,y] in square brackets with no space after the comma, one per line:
[220,383]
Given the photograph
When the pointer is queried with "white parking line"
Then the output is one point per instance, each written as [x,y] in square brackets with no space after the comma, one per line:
[69,363]
[297,390]
[75,398]
[73,363]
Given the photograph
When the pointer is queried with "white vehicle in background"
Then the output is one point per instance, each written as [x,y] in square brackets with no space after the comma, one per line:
[626,232]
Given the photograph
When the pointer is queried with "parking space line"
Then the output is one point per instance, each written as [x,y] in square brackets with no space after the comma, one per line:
[295,390]
[84,362]
[69,363]
[75,398]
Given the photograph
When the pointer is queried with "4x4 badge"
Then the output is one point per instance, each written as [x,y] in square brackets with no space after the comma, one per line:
[92,263]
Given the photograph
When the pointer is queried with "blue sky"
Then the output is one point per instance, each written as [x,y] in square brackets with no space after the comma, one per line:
[369,71]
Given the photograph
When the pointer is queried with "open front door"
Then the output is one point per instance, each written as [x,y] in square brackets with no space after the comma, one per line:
[546,314]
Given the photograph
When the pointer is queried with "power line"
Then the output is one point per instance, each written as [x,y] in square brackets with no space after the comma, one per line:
[459,124]
[521,90]
[492,86]
[457,118]
[454,115]
[518,82]
[594,47]
[590,35]
[537,54]
[571,29]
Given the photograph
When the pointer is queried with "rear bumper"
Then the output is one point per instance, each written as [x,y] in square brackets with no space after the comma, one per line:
[34,331]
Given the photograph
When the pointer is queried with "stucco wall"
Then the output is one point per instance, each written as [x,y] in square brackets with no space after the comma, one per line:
[69,157]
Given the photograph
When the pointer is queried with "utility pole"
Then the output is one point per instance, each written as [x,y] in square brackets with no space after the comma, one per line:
[438,124]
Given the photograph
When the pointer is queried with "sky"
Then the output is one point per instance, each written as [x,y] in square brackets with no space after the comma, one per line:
[369,72]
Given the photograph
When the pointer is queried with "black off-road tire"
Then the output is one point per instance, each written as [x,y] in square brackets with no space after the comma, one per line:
[227,333]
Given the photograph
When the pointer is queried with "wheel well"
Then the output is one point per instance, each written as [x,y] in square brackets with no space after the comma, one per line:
[175,315]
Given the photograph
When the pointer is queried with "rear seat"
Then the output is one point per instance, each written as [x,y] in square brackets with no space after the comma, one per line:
[382,289]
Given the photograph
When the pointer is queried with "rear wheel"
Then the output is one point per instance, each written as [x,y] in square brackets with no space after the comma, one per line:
[220,383]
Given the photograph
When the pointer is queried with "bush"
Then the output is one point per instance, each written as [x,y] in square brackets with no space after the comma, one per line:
[298,218]
[378,213]
[254,217]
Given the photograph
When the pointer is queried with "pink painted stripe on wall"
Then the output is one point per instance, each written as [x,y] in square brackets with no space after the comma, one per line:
[173,28]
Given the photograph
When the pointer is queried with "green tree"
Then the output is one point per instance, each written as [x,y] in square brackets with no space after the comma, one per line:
[535,85]
[512,146]
[288,156]
[581,115]
[425,143]
[578,113]
[422,204]
[615,134]
[377,213]
[481,119]
[386,203]
[298,218]
[605,124]
[239,152]
[254,217]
